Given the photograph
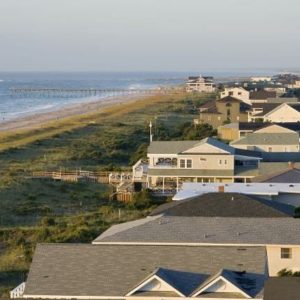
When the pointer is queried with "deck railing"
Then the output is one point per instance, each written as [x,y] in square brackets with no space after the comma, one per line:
[18,291]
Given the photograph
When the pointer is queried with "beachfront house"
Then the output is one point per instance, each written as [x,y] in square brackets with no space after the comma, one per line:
[208,160]
[199,84]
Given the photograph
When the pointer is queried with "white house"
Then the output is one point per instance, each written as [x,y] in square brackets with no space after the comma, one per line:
[261,78]
[286,112]
[200,84]
[238,93]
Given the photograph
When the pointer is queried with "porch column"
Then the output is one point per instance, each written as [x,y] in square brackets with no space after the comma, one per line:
[177,184]
[163,187]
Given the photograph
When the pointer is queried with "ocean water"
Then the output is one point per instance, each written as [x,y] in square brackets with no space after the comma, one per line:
[15,105]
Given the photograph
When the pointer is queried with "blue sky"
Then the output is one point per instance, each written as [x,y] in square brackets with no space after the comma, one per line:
[154,35]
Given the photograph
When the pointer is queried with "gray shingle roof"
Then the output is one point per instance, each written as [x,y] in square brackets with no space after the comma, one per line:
[282,288]
[225,205]
[110,270]
[266,107]
[251,284]
[289,175]
[268,139]
[176,147]
[211,230]
[184,282]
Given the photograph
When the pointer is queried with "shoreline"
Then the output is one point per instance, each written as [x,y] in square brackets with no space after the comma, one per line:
[38,119]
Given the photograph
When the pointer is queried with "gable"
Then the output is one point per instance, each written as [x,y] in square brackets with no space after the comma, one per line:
[205,148]
[221,285]
[155,285]
[283,112]
[274,129]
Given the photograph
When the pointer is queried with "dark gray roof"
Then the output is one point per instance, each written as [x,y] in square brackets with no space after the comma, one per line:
[289,175]
[266,107]
[296,106]
[268,139]
[280,156]
[210,230]
[184,282]
[251,284]
[114,270]
[225,205]
[260,95]
[282,288]
[258,125]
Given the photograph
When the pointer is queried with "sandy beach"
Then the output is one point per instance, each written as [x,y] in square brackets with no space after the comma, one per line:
[36,120]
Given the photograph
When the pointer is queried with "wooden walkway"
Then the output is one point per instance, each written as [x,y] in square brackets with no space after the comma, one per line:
[74,176]
[113,178]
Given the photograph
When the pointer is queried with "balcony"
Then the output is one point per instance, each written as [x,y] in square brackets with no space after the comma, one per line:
[165,163]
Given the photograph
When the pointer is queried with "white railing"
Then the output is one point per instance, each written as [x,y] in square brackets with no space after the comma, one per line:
[164,166]
[18,291]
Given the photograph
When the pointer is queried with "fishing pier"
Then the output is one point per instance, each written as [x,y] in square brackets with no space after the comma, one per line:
[86,92]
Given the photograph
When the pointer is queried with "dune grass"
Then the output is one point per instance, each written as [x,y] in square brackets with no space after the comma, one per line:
[34,211]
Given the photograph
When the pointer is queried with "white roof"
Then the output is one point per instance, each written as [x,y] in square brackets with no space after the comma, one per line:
[191,189]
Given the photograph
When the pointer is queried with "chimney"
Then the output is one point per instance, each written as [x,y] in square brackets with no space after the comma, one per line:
[291,165]
[221,188]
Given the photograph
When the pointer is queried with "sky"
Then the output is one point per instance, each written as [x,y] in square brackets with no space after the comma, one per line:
[148,35]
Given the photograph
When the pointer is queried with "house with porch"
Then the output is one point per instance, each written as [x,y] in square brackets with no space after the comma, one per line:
[208,160]
[200,84]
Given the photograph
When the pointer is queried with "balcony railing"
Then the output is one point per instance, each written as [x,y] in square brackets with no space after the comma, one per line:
[164,166]
[18,291]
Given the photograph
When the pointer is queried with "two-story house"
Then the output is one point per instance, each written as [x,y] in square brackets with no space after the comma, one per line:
[208,160]
[237,93]
[225,110]
[199,84]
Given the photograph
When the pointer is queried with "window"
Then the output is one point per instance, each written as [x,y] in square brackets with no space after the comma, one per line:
[220,161]
[189,163]
[286,253]
[270,149]
[230,93]
[225,161]
[182,163]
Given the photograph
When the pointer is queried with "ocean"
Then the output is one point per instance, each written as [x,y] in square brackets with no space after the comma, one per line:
[14,106]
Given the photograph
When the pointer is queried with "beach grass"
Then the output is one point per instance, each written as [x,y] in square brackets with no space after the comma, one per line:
[34,210]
